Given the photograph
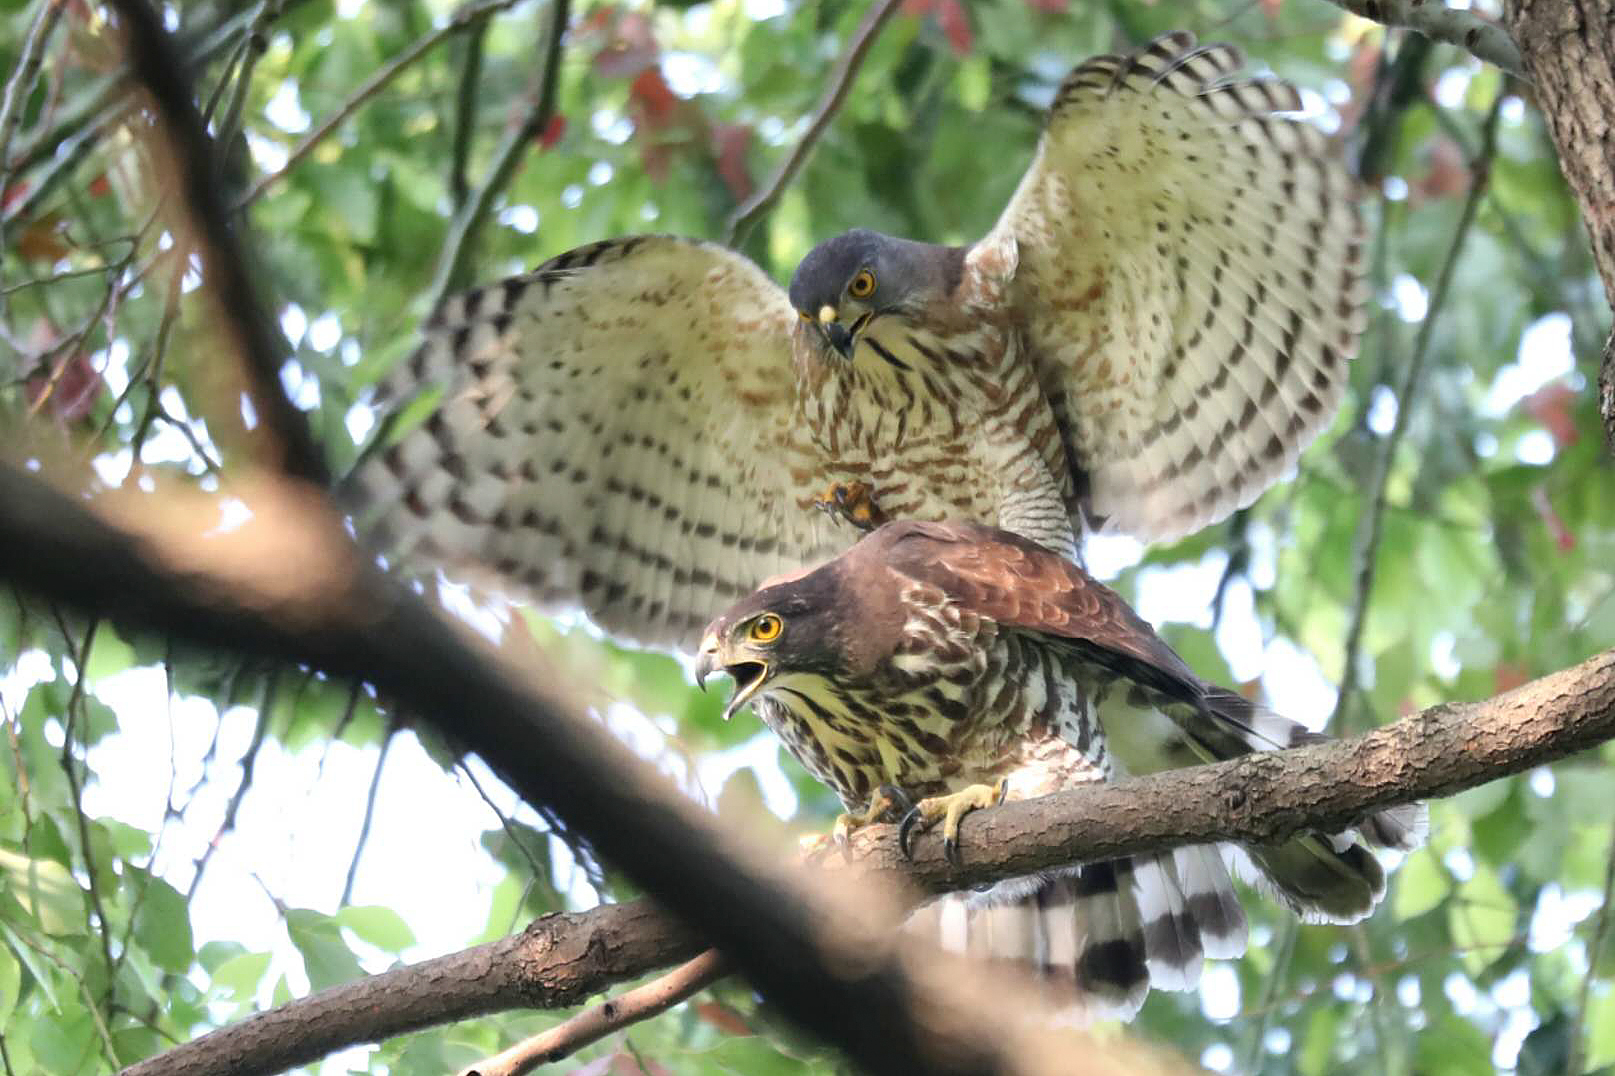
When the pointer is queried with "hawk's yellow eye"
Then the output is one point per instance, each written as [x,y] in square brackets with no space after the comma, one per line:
[863,285]
[766,628]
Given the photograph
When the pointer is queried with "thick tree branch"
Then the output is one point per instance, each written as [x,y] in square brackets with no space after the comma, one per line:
[1260,797]
[557,962]
[1569,53]
[751,211]
[1482,38]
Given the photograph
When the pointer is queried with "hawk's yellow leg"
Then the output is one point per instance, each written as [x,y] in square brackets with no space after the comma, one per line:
[887,798]
[853,502]
[950,809]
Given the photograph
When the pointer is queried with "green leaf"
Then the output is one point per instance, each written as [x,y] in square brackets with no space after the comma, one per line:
[10,984]
[379,926]
[239,977]
[1453,1047]
[1482,919]
[46,890]
[163,926]
[1421,884]
[1600,1027]
[326,957]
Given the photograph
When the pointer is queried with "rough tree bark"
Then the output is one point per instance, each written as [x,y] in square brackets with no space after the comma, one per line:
[1569,52]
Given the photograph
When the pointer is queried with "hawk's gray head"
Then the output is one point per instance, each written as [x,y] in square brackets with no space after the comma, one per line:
[846,283]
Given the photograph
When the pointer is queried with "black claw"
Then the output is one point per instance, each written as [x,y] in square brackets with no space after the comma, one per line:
[896,799]
[950,852]
[905,832]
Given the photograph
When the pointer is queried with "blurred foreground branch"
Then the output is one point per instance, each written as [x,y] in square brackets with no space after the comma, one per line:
[285,587]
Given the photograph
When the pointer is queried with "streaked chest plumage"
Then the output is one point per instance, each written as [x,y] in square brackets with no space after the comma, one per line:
[959,702]
[910,415]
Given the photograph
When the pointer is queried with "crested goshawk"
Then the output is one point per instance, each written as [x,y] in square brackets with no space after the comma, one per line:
[956,664]
[1156,326]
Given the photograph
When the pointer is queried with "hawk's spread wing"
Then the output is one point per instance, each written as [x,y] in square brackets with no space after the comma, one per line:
[1189,279]
[615,429]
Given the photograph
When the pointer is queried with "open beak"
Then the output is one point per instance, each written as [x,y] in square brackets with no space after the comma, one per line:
[748,675]
[838,337]
[835,334]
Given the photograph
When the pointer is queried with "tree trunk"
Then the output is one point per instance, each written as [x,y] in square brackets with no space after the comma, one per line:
[1569,51]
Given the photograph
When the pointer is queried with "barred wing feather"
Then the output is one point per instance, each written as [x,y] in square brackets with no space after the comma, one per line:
[616,429]
[1190,276]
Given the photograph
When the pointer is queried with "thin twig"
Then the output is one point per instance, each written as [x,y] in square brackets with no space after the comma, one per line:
[107,96]
[1594,949]
[1482,38]
[1370,526]
[253,46]
[255,337]
[21,84]
[468,221]
[464,17]
[842,76]
[369,815]
[461,20]
[504,822]
[465,109]
[92,879]
[248,763]
[592,1025]
[70,154]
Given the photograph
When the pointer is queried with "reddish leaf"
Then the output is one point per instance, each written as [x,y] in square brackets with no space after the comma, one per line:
[13,194]
[651,99]
[100,187]
[723,1018]
[950,17]
[41,241]
[74,387]
[552,132]
[1506,676]
[1270,8]
[630,46]
[1550,405]
[729,142]
[1562,537]
[1448,174]
[1053,7]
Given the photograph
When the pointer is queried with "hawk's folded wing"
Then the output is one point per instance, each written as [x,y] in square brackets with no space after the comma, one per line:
[1189,274]
[616,429]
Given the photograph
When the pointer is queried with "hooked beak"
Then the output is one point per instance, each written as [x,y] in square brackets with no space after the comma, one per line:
[748,675]
[835,334]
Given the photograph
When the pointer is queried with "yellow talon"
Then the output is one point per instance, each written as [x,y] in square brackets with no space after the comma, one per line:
[950,808]
[853,502]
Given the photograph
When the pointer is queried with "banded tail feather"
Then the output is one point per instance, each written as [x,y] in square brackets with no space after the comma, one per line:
[1099,936]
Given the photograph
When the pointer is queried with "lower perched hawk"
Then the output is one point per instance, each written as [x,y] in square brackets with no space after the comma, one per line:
[1156,326]
[956,664]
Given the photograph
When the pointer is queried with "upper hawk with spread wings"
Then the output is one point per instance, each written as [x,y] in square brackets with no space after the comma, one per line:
[961,663]
[1157,325]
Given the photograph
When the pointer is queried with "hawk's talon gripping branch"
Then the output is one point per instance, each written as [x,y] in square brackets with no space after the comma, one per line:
[950,809]
[887,801]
